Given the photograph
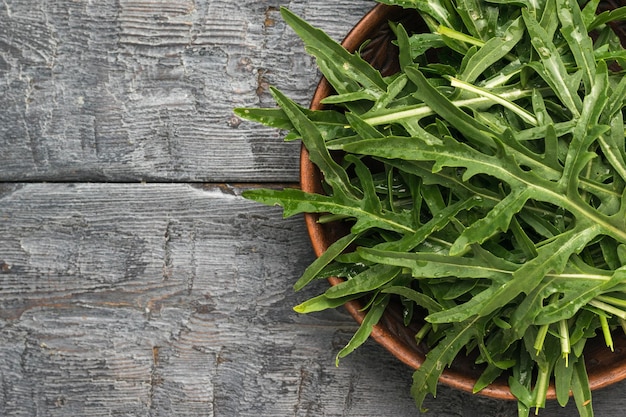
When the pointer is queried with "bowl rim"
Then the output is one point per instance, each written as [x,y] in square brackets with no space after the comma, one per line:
[601,372]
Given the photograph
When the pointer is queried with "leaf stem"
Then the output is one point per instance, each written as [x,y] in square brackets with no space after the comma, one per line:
[606,331]
[422,332]
[459,36]
[612,300]
[541,337]
[422,110]
[462,37]
[565,341]
[541,387]
[523,114]
[608,308]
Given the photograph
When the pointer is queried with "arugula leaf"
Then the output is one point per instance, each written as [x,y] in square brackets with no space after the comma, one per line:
[442,11]
[417,297]
[330,254]
[296,201]
[575,33]
[334,174]
[426,376]
[578,290]
[551,257]
[442,106]
[368,280]
[369,321]
[552,68]
[326,49]
[498,219]
[606,17]
[581,391]
[492,51]
[322,302]
[430,265]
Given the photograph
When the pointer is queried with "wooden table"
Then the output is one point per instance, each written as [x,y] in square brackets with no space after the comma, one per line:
[134,279]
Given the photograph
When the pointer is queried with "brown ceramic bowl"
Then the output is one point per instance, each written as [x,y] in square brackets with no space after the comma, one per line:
[604,367]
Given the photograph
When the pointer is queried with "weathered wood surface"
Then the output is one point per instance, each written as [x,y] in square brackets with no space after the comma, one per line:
[170,298]
[125,90]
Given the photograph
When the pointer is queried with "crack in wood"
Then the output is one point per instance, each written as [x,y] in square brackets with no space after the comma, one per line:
[301,384]
[167,252]
[155,378]
[193,263]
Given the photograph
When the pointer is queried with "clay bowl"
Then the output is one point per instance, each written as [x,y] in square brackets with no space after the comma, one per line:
[604,367]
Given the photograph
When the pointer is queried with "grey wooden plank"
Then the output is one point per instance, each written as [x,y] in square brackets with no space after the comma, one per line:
[172,299]
[142,90]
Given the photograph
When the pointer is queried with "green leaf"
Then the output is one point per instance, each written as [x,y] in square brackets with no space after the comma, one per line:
[370,201]
[362,128]
[422,42]
[498,219]
[492,51]
[443,217]
[334,174]
[489,375]
[521,379]
[589,13]
[615,101]
[432,265]
[329,123]
[577,290]
[563,372]
[418,298]
[549,20]
[443,151]
[368,280]
[442,106]
[405,57]
[618,14]
[296,201]
[312,271]
[551,257]
[580,44]
[442,11]
[393,90]
[269,117]
[612,146]
[476,16]
[365,329]
[426,376]
[552,68]
[525,115]
[321,302]
[348,97]
[333,54]
[581,390]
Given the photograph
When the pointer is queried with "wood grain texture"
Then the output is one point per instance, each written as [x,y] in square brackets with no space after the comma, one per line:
[144,90]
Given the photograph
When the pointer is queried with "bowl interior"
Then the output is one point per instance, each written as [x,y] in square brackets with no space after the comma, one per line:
[604,367]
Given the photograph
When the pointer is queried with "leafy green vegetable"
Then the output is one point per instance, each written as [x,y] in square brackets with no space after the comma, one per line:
[484,187]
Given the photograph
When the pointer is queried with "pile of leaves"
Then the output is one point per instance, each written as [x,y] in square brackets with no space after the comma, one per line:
[483,186]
